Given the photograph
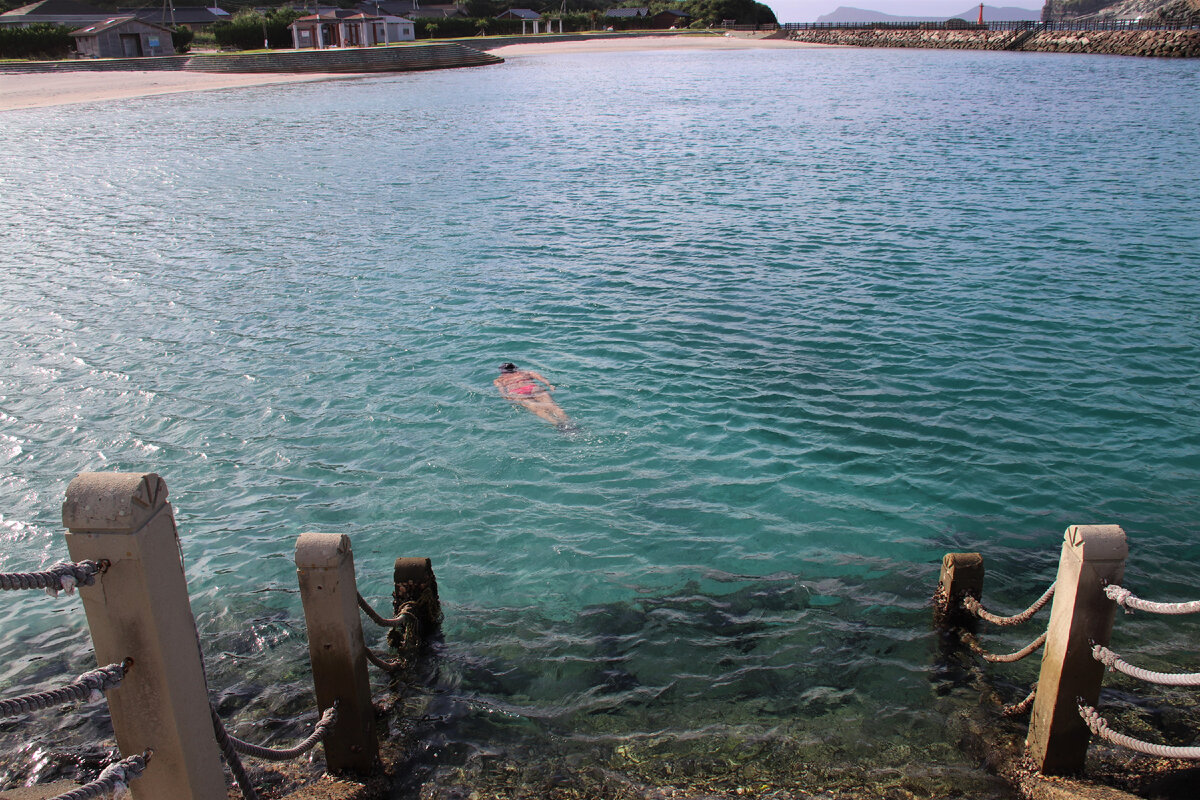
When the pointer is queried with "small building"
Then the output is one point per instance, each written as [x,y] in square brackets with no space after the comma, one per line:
[54,12]
[412,9]
[628,13]
[195,18]
[671,18]
[350,28]
[123,37]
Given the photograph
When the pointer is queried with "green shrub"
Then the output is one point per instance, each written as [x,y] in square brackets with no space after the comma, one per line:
[40,40]
[246,30]
[181,38]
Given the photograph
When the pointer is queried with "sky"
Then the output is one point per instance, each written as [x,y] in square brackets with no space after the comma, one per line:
[809,10]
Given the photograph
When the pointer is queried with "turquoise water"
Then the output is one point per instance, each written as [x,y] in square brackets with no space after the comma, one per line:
[821,316]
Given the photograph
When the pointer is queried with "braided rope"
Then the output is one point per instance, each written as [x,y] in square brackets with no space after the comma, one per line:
[87,686]
[63,576]
[386,666]
[113,779]
[404,618]
[976,608]
[1128,601]
[231,757]
[973,645]
[1025,651]
[1111,660]
[328,720]
[1097,725]
[1017,709]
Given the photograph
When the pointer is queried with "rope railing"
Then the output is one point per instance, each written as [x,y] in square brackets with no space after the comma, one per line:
[1099,726]
[1090,568]
[113,779]
[327,721]
[1017,709]
[87,686]
[1111,660]
[1008,658]
[61,577]
[231,746]
[387,666]
[1128,601]
[975,607]
[404,618]
[232,760]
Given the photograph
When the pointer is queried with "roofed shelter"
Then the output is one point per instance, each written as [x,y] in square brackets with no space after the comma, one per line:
[528,15]
[349,28]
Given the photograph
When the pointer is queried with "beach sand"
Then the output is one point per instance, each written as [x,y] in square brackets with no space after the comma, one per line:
[41,89]
[38,90]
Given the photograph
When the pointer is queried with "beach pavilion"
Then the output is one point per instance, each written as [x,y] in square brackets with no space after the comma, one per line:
[349,28]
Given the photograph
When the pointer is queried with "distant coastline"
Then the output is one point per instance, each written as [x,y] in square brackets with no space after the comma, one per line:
[1151,43]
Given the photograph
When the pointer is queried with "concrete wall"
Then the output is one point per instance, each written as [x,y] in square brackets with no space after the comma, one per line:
[1166,44]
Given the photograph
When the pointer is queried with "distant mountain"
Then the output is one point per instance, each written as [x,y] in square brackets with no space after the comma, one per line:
[990,14]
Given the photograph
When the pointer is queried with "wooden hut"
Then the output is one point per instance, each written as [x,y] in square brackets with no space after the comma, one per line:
[123,37]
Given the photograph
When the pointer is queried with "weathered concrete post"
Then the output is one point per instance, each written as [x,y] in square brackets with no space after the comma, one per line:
[414,583]
[1092,556]
[962,575]
[325,569]
[139,609]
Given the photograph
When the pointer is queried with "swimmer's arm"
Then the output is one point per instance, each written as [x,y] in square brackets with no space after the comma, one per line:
[538,376]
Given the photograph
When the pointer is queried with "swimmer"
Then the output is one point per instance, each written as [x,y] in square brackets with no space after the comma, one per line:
[522,386]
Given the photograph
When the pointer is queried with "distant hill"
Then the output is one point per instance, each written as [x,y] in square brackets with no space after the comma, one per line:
[1177,11]
[990,14]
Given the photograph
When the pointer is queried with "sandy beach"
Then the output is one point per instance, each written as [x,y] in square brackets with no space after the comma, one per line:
[38,90]
[41,89]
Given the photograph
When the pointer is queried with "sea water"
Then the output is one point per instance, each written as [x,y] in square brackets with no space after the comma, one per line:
[820,316]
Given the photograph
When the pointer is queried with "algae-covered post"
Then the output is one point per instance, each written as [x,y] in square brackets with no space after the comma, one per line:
[962,576]
[140,610]
[416,589]
[329,592]
[1082,615]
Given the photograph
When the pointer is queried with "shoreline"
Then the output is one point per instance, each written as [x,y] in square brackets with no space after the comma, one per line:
[49,89]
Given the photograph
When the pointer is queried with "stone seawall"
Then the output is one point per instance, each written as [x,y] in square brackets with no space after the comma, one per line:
[1166,44]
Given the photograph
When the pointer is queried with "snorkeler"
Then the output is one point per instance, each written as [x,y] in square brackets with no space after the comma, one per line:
[522,386]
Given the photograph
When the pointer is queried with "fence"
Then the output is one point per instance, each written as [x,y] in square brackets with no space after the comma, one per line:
[1086,594]
[129,571]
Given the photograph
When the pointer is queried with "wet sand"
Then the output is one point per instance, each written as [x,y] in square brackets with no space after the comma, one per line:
[38,90]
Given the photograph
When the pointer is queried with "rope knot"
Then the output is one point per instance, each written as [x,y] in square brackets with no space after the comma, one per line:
[1119,595]
[1104,655]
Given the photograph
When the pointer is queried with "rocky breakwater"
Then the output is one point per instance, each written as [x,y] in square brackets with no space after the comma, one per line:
[1161,43]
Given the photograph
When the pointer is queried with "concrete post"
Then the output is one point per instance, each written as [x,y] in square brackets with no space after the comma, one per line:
[962,575]
[325,569]
[139,609]
[1081,615]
